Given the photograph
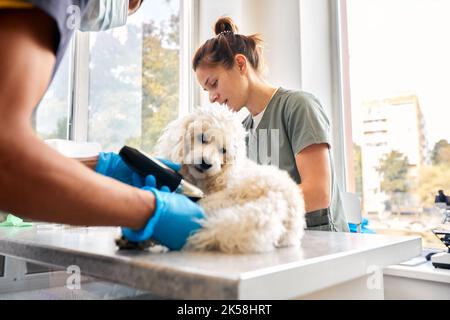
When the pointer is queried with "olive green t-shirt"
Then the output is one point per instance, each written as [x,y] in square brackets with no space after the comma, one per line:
[292,121]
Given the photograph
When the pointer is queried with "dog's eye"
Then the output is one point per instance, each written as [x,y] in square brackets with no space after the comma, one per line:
[223,150]
[203,138]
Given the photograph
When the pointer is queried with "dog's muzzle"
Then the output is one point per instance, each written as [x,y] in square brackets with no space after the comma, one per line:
[203,166]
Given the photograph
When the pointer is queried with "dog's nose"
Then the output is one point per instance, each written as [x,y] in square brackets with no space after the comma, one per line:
[204,165]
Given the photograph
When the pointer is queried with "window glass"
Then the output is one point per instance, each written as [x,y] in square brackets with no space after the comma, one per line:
[52,114]
[134,78]
[399,80]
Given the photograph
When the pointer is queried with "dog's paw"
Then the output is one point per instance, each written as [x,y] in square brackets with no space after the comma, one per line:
[158,248]
[150,245]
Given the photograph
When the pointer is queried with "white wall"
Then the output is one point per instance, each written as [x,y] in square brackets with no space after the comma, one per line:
[278,24]
[211,10]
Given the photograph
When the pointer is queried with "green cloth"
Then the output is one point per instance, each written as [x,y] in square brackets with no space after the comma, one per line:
[13,221]
[294,120]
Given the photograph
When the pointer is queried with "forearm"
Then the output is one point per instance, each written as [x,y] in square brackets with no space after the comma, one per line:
[315,197]
[39,183]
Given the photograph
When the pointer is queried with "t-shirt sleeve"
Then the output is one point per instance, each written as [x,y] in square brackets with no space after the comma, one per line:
[307,123]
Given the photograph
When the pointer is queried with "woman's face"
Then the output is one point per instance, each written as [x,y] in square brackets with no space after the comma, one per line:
[225,86]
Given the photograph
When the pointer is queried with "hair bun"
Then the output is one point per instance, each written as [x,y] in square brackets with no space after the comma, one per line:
[225,24]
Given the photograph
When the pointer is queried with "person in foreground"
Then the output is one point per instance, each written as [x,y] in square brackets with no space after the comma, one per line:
[37,182]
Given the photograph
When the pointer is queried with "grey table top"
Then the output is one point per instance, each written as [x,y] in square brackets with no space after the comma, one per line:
[322,260]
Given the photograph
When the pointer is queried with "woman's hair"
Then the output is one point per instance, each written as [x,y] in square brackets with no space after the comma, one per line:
[227,43]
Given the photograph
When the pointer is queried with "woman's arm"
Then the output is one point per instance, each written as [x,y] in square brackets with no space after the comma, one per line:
[313,165]
[36,181]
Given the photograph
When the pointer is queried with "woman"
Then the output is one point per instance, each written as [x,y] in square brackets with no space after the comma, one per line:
[228,66]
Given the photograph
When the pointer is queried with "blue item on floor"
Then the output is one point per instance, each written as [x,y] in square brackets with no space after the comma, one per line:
[364,229]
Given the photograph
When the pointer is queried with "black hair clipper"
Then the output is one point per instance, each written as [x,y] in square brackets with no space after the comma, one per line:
[165,176]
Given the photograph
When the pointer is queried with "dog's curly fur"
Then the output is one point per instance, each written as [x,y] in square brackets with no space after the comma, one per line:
[249,207]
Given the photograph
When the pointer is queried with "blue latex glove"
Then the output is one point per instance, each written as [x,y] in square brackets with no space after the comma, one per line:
[174,220]
[111,164]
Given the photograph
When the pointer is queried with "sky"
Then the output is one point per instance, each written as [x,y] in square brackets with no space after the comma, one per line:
[155,10]
[401,47]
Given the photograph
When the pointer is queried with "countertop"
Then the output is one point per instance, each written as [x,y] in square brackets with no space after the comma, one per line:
[322,260]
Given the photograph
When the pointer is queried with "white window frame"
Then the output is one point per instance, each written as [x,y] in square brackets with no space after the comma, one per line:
[346,110]
[323,73]
[79,115]
[188,42]
[79,108]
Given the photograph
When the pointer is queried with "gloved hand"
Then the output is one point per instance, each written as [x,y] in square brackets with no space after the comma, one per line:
[175,218]
[111,164]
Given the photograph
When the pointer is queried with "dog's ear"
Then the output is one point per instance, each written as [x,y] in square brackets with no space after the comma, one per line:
[170,143]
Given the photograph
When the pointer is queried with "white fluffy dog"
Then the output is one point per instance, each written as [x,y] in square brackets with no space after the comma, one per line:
[249,207]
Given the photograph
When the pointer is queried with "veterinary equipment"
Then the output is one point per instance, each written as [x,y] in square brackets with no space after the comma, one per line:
[442,259]
[165,176]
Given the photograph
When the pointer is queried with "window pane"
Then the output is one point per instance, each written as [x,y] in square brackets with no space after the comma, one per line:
[51,118]
[399,69]
[134,73]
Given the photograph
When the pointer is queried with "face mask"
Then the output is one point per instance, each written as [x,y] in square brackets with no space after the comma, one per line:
[104,14]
